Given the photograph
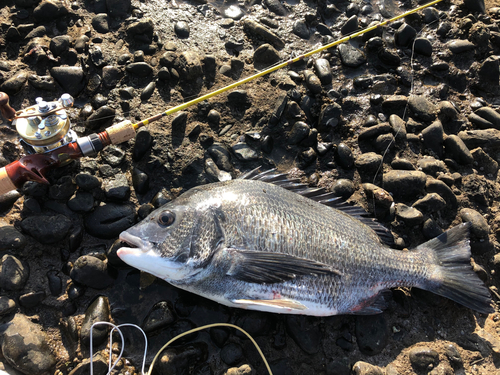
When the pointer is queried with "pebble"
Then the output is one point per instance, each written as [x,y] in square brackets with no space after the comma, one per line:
[82,201]
[398,128]
[343,156]
[47,229]
[32,299]
[113,155]
[300,130]
[312,81]
[457,150]
[37,32]
[433,138]
[55,283]
[118,188]
[350,26]
[109,220]
[364,368]
[14,273]
[475,5]
[439,187]
[374,131]
[301,30]
[404,183]
[307,157]
[351,56]
[143,143]
[432,202]
[87,181]
[275,7]
[422,108]
[479,225]
[231,354]
[7,306]
[182,29]
[213,117]
[98,311]
[100,23]
[490,115]
[92,272]
[343,188]
[26,346]
[405,35]
[244,152]
[161,198]
[265,55]
[323,71]
[221,156]
[460,46]
[367,165]
[431,229]
[219,335]
[15,84]
[378,196]
[254,28]
[480,138]
[48,11]
[242,370]
[175,360]
[11,239]
[423,46]
[160,316]
[140,69]
[147,92]
[111,75]
[329,117]
[485,163]
[71,78]
[42,82]
[431,15]
[140,180]
[239,98]
[423,358]
[389,57]
[453,355]
[372,333]
[63,189]
[409,215]
[489,72]
[305,334]
[59,45]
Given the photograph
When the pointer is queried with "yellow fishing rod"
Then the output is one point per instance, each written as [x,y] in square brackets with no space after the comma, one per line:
[276,67]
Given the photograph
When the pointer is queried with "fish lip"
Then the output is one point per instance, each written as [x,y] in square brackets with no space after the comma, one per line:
[138,242]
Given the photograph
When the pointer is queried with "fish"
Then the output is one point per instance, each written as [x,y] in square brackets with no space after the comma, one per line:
[265,242]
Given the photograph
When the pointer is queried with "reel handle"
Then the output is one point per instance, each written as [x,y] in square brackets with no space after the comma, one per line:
[7,111]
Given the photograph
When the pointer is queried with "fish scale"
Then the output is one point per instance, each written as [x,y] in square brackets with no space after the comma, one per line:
[254,244]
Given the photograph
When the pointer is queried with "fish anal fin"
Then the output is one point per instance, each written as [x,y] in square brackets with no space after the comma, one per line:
[374,305]
[282,303]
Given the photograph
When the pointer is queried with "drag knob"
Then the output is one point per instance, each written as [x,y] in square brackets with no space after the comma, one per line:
[7,111]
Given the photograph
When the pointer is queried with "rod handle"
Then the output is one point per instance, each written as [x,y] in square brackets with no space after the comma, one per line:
[121,132]
[7,111]
[6,183]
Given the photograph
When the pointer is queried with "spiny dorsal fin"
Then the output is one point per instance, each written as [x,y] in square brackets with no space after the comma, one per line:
[322,196]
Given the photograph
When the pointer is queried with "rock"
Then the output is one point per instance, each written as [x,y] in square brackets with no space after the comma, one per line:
[140,69]
[109,220]
[252,27]
[11,239]
[98,311]
[457,150]
[307,157]
[423,46]
[189,66]
[7,306]
[148,91]
[403,183]
[475,5]
[15,84]
[433,138]
[55,283]
[374,131]
[405,35]
[100,23]
[453,355]
[439,187]
[486,164]
[13,273]
[60,45]
[389,57]
[460,46]
[323,70]
[430,203]
[300,130]
[42,82]
[160,316]
[343,156]
[143,143]
[231,354]
[242,370]
[244,152]
[101,118]
[329,117]
[378,196]
[372,333]
[363,368]
[118,8]
[71,78]
[49,10]
[32,299]
[111,75]
[92,272]
[350,26]
[490,115]
[301,30]
[489,73]
[117,188]
[343,188]
[367,165]
[47,229]
[87,181]
[409,215]
[305,334]
[422,108]
[140,180]
[221,156]
[265,55]
[480,138]
[239,98]
[174,360]
[312,82]
[351,56]
[275,7]
[182,29]
[82,201]
[25,346]
[479,225]
[63,189]
[398,128]
[423,358]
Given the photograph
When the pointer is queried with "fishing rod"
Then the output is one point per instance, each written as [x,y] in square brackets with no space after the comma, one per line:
[45,133]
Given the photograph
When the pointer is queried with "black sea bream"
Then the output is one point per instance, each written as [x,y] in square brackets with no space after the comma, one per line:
[254,243]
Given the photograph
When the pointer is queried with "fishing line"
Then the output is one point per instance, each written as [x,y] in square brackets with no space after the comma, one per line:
[117,328]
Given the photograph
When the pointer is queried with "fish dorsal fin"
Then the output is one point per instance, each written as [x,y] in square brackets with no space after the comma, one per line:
[322,196]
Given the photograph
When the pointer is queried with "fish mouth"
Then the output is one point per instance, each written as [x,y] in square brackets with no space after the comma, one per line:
[137,242]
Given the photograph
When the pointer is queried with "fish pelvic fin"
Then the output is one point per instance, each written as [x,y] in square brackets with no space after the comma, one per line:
[283,303]
[454,277]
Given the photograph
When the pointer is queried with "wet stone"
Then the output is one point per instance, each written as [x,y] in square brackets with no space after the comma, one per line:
[32,299]
[431,14]
[59,45]
[13,273]
[300,130]
[431,229]
[244,152]
[161,198]
[480,138]
[26,346]
[160,316]
[490,115]
[423,46]
[313,83]
[301,30]
[329,117]
[98,311]
[479,225]
[275,7]
[148,91]
[305,334]
[252,27]
[92,272]
[368,164]
[389,57]
[378,196]
[484,162]
[15,84]
[42,82]
[457,150]
[323,70]
[213,117]
[111,75]
[140,69]
[266,55]
[453,355]
[55,283]
[372,333]
[82,201]
[102,117]
[11,239]
[351,56]
[409,215]
[423,358]
[140,180]
[403,183]
[221,156]
[71,78]
[87,181]
[398,127]
[231,354]
[343,188]
[182,29]
[439,187]
[422,108]
[405,35]
[7,305]
[117,188]
[109,220]
[307,157]
[350,26]
[47,229]
[63,189]
[460,46]
[432,202]
[374,131]
[143,143]
[343,156]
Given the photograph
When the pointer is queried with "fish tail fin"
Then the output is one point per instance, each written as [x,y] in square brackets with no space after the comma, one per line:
[454,277]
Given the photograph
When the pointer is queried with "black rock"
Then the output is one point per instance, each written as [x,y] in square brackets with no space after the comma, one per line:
[140,69]
[329,117]
[453,355]
[49,10]
[457,150]
[489,74]
[55,283]
[367,165]
[254,28]
[15,84]
[389,57]
[244,152]
[117,188]
[479,225]
[265,55]
[351,56]
[102,117]
[118,8]
[182,30]
[431,229]
[113,155]
[13,273]
[59,45]
[47,229]
[221,156]
[305,334]
[92,272]
[405,35]
[160,316]
[219,335]
[87,181]
[71,78]
[343,188]
[409,215]
[301,30]
[98,311]
[140,180]
[148,91]
[422,108]
[323,70]
[31,299]
[430,203]
[82,201]
[350,26]
[231,354]
[475,5]
[460,46]
[7,305]
[403,183]
[100,23]
[111,75]
[161,198]
[143,143]
[300,130]
[343,156]
[63,189]
[423,46]
[439,187]
[42,82]
[423,358]
[487,165]
[433,138]
[109,220]
[11,239]
[372,333]
[275,7]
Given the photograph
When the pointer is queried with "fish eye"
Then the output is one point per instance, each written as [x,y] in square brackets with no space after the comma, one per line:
[166,218]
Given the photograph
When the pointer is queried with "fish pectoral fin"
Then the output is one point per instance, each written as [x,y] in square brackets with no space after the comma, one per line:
[266,267]
[276,303]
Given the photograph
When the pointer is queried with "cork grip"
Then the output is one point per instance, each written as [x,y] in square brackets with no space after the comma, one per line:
[6,184]
[121,132]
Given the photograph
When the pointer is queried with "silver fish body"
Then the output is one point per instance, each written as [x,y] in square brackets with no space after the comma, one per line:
[256,245]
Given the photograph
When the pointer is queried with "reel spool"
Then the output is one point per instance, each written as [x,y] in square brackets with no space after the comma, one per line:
[45,125]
